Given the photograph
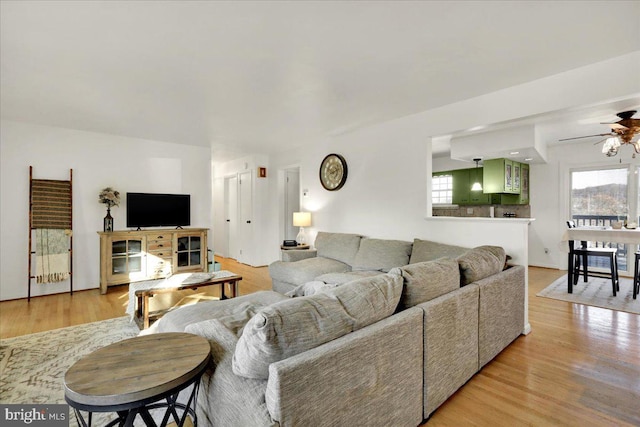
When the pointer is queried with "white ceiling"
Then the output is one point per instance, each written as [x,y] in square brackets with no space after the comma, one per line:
[266,76]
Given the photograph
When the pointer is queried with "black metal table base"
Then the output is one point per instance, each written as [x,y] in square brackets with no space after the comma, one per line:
[127,416]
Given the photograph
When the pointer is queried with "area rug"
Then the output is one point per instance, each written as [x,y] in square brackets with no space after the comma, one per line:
[32,367]
[596,292]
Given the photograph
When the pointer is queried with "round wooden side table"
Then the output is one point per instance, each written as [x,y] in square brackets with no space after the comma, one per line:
[134,376]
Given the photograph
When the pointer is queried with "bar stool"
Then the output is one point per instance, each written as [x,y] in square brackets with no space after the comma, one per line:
[636,277]
[579,261]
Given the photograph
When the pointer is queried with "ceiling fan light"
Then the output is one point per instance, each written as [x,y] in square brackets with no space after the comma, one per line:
[611,144]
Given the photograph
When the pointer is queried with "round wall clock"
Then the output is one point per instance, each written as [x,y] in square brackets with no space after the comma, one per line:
[333,172]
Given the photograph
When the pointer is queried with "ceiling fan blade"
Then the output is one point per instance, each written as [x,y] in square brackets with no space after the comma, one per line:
[617,126]
[588,136]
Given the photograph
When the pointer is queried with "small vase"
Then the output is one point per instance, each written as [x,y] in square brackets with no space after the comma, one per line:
[108,221]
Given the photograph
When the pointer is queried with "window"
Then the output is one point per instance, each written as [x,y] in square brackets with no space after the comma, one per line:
[598,198]
[442,189]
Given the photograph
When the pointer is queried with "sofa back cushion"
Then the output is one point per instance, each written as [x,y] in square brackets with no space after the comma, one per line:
[481,262]
[426,250]
[381,254]
[339,246]
[425,281]
[293,326]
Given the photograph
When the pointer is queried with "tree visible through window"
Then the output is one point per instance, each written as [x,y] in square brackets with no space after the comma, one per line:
[599,196]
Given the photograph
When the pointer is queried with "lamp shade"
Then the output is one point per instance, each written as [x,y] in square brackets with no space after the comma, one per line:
[302,219]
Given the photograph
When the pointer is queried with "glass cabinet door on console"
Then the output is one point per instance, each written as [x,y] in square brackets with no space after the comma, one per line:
[127,259]
[189,254]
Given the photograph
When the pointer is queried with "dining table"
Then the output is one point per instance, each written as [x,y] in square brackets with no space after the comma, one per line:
[597,234]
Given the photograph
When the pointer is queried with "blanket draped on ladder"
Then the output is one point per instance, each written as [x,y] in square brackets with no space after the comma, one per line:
[52,255]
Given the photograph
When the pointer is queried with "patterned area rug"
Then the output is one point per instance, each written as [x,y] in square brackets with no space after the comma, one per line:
[596,292]
[32,367]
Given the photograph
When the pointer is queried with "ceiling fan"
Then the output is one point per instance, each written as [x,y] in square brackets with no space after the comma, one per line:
[622,132]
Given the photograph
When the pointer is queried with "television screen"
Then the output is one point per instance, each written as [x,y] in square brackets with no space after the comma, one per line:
[158,210]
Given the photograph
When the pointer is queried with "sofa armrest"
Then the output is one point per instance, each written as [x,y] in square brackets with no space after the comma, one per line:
[224,398]
[501,311]
[369,377]
[292,255]
[450,344]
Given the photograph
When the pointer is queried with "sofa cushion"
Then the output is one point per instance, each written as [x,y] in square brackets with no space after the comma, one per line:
[341,278]
[309,288]
[425,281]
[481,262]
[293,326]
[426,250]
[339,246]
[238,308]
[381,254]
[305,270]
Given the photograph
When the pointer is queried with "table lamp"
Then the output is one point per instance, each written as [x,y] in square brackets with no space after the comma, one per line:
[302,220]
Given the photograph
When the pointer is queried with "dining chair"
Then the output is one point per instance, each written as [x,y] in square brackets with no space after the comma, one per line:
[636,276]
[580,254]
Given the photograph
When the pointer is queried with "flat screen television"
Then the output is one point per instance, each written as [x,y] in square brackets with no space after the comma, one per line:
[158,210]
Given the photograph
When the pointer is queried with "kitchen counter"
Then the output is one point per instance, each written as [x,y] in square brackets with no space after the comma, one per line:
[482,219]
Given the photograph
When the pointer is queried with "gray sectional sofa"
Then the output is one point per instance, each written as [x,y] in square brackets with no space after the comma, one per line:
[379,337]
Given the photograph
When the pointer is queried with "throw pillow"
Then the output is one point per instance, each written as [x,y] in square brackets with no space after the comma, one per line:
[425,281]
[338,246]
[481,262]
[426,250]
[293,326]
[381,254]
[310,288]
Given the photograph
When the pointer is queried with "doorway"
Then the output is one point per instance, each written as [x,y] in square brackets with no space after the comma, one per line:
[231,215]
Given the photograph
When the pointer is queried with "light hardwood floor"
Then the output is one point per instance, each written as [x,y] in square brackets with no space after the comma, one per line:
[580,366]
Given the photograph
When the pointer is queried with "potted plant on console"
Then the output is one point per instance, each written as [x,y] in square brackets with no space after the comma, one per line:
[109,197]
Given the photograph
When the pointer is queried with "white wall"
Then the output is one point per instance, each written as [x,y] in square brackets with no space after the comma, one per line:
[98,161]
[385,193]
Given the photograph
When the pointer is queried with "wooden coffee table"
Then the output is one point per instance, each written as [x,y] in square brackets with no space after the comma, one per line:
[142,314]
[133,376]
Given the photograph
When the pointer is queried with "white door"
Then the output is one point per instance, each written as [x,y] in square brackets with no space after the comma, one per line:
[245,226]
[291,201]
[231,215]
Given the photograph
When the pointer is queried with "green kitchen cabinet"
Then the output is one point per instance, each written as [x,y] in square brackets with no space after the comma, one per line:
[517,177]
[461,187]
[463,179]
[524,184]
[477,197]
[500,176]
[491,194]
